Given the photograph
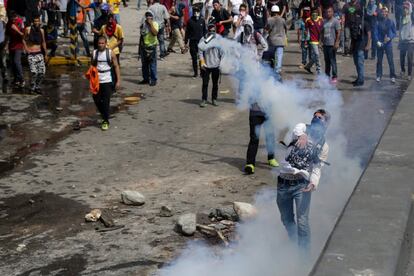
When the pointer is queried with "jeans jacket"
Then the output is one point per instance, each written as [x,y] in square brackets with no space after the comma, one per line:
[384,28]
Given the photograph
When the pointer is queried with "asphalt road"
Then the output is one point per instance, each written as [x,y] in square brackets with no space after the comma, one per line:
[165,147]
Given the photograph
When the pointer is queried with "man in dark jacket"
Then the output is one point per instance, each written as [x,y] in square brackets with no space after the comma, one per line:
[259,15]
[195,30]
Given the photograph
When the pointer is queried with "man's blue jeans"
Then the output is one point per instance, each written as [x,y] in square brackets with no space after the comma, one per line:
[287,197]
[161,41]
[359,64]
[278,59]
[149,66]
[387,48]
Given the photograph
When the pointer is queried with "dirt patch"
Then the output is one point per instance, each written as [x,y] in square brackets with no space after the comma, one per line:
[25,216]
[72,265]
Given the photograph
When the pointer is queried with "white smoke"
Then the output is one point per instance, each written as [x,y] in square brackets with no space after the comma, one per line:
[264,248]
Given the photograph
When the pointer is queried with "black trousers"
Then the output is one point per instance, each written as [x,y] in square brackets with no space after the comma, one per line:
[330,61]
[215,75]
[256,120]
[103,98]
[406,49]
[194,55]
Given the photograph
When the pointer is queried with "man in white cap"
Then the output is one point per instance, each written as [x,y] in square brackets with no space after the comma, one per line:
[299,176]
[276,28]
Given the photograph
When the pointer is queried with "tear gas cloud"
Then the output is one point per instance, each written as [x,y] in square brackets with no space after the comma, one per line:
[264,248]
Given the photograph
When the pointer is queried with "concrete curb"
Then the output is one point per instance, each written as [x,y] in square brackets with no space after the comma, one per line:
[370,235]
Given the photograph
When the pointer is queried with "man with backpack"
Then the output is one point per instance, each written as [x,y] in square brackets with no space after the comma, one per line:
[106,63]
[299,176]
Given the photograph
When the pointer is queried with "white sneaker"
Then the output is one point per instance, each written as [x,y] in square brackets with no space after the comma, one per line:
[393,80]
[378,79]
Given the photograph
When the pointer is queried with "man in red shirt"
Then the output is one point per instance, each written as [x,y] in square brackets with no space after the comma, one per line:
[15,32]
[313,26]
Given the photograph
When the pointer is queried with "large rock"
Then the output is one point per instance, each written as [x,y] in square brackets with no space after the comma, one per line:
[244,210]
[132,198]
[187,224]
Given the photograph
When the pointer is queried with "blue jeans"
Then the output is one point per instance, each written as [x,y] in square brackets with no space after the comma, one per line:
[149,66]
[330,61]
[287,196]
[359,64]
[117,18]
[387,48]
[81,28]
[314,58]
[306,52]
[161,41]
[278,59]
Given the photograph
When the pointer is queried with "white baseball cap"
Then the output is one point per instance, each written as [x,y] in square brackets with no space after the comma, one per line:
[275,8]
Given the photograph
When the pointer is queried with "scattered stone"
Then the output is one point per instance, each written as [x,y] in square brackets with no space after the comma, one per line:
[58,108]
[187,224]
[92,196]
[165,211]
[93,215]
[132,198]
[21,247]
[227,222]
[31,201]
[244,210]
[107,219]
[220,226]
[224,213]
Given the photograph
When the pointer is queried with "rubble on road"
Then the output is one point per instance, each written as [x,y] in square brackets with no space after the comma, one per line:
[165,211]
[244,210]
[93,215]
[186,224]
[224,213]
[132,198]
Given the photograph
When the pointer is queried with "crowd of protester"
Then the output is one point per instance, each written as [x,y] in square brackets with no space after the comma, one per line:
[32,31]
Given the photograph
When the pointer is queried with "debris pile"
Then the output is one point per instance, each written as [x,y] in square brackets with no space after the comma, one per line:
[221,222]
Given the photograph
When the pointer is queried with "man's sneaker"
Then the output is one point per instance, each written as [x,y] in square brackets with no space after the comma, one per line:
[153,83]
[194,76]
[214,102]
[105,125]
[378,79]
[409,78]
[393,80]
[273,163]
[203,103]
[249,169]
[144,82]
[334,81]
[301,66]
[358,84]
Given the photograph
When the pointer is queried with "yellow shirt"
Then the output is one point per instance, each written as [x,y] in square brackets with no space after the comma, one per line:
[149,38]
[115,5]
[113,40]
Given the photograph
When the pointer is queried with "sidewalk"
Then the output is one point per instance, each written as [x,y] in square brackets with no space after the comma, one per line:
[374,234]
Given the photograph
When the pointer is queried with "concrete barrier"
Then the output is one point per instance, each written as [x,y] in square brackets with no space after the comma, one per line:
[371,238]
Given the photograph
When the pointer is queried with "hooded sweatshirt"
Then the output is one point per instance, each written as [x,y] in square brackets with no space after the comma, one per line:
[407,29]
[196,29]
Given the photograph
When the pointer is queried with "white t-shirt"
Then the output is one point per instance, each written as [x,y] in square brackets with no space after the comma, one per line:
[104,69]
[239,29]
